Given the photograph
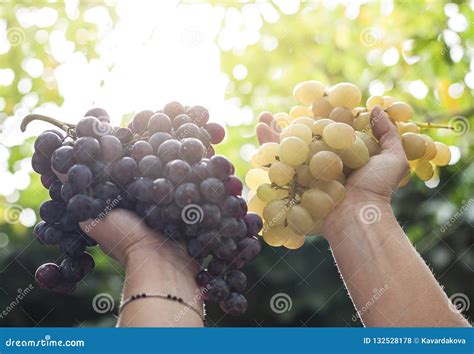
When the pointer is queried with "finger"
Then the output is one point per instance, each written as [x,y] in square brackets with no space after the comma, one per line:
[115,225]
[385,131]
[265,134]
[266,117]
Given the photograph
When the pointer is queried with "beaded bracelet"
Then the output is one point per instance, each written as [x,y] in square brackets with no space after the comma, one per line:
[159,296]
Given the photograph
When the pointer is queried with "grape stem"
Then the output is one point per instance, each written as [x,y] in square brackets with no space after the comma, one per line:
[429,125]
[67,127]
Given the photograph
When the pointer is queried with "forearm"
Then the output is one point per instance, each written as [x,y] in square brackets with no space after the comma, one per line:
[151,273]
[388,281]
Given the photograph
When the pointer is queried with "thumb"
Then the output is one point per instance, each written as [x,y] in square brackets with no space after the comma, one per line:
[385,132]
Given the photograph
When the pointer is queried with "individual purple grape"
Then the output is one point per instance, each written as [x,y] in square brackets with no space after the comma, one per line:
[63,159]
[208,239]
[55,191]
[235,304]
[169,150]
[86,262]
[51,211]
[110,148]
[66,192]
[171,213]
[140,121]
[230,206]
[219,167]
[242,207]
[249,248]
[241,230]
[236,280]
[211,215]
[150,166]
[218,290]
[81,207]
[177,171]
[100,113]
[52,235]
[160,122]
[71,270]
[186,194]
[125,170]
[157,139]
[173,232]
[216,267]
[173,109]
[254,223]
[41,164]
[212,189]
[142,188]
[228,227]
[101,172]
[48,179]
[216,131]
[72,246]
[205,138]
[162,191]
[153,217]
[39,230]
[48,275]
[107,191]
[46,143]
[141,149]
[57,132]
[91,127]
[199,171]
[192,150]
[198,114]
[188,130]
[86,150]
[125,135]
[180,120]
[233,186]
[79,177]
[226,249]
[203,278]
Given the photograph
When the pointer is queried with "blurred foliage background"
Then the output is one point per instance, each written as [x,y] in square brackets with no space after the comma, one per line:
[421,52]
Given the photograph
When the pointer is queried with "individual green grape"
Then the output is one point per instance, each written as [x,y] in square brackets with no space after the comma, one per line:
[344,94]
[255,204]
[255,177]
[443,154]
[267,154]
[362,122]
[280,173]
[321,108]
[267,193]
[300,111]
[334,189]
[339,135]
[356,155]
[297,130]
[317,202]
[399,111]
[293,151]
[275,212]
[319,125]
[373,101]
[326,165]
[303,176]
[342,115]
[414,146]
[372,145]
[275,236]
[299,219]
[424,170]
[305,120]
[308,91]
[430,152]
[294,241]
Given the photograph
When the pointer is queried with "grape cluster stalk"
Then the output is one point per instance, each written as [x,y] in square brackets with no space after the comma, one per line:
[163,168]
[296,182]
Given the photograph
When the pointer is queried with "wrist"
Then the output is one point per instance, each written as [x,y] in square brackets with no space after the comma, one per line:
[357,210]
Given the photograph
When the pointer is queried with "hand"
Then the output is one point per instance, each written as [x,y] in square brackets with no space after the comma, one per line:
[372,183]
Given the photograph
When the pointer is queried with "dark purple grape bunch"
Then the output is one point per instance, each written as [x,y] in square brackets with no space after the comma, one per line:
[163,168]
